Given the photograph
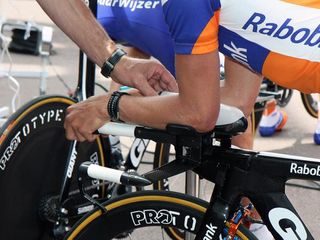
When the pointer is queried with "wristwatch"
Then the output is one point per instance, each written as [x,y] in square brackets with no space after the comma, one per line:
[110,63]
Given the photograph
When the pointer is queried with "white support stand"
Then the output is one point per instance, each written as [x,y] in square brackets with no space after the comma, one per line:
[44,47]
[4,113]
[8,74]
[44,50]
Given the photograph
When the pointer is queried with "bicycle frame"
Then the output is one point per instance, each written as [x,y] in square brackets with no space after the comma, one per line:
[236,173]
[242,170]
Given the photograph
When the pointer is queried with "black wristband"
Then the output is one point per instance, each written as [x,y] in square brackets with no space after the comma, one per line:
[109,65]
[113,105]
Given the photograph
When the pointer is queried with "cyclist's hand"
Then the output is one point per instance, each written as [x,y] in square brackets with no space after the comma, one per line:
[83,118]
[148,76]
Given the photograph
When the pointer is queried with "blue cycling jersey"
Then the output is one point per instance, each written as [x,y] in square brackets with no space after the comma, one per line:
[138,23]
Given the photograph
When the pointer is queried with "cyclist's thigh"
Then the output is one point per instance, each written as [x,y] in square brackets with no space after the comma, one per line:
[241,86]
[142,27]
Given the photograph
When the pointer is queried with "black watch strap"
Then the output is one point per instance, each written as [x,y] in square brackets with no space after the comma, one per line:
[109,65]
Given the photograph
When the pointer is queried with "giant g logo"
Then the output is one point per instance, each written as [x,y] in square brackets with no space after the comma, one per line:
[287,224]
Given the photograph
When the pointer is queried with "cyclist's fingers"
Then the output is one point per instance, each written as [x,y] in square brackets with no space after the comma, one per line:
[167,81]
[145,88]
[89,136]
[160,85]
[69,131]
[79,136]
[74,133]
[70,134]
[152,86]
[84,133]
[169,88]
[77,131]
[155,85]
[158,88]
[75,126]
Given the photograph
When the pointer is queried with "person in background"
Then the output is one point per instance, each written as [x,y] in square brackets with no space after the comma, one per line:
[273,119]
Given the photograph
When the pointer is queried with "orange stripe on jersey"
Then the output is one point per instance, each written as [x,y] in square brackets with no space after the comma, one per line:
[290,72]
[208,39]
[305,3]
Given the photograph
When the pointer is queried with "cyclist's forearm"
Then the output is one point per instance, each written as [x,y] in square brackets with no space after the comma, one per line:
[159,111]
[154,112]
[75,19]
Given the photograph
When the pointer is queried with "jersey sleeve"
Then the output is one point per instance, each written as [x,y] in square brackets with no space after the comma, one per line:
[193,24]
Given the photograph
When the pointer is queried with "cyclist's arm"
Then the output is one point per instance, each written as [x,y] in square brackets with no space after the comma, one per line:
[197,103]
[76,20]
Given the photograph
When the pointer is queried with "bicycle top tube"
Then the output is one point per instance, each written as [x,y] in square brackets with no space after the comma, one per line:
[288,166]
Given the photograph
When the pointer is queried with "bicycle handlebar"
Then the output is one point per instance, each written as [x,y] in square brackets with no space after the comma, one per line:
[121,129]
[130,130]
[112,175]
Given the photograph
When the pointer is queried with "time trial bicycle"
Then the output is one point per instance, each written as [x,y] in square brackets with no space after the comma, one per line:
[236,173]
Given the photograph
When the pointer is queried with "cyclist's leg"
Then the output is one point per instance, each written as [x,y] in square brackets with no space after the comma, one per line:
[245,140]
[240,89]
[145,209]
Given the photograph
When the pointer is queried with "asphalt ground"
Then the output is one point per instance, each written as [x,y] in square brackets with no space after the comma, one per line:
[296,138]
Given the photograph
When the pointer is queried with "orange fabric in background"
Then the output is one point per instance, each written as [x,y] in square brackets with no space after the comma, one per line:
[306,3]
[301,74]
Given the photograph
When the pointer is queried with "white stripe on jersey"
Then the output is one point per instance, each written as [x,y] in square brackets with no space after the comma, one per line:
[298,26]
